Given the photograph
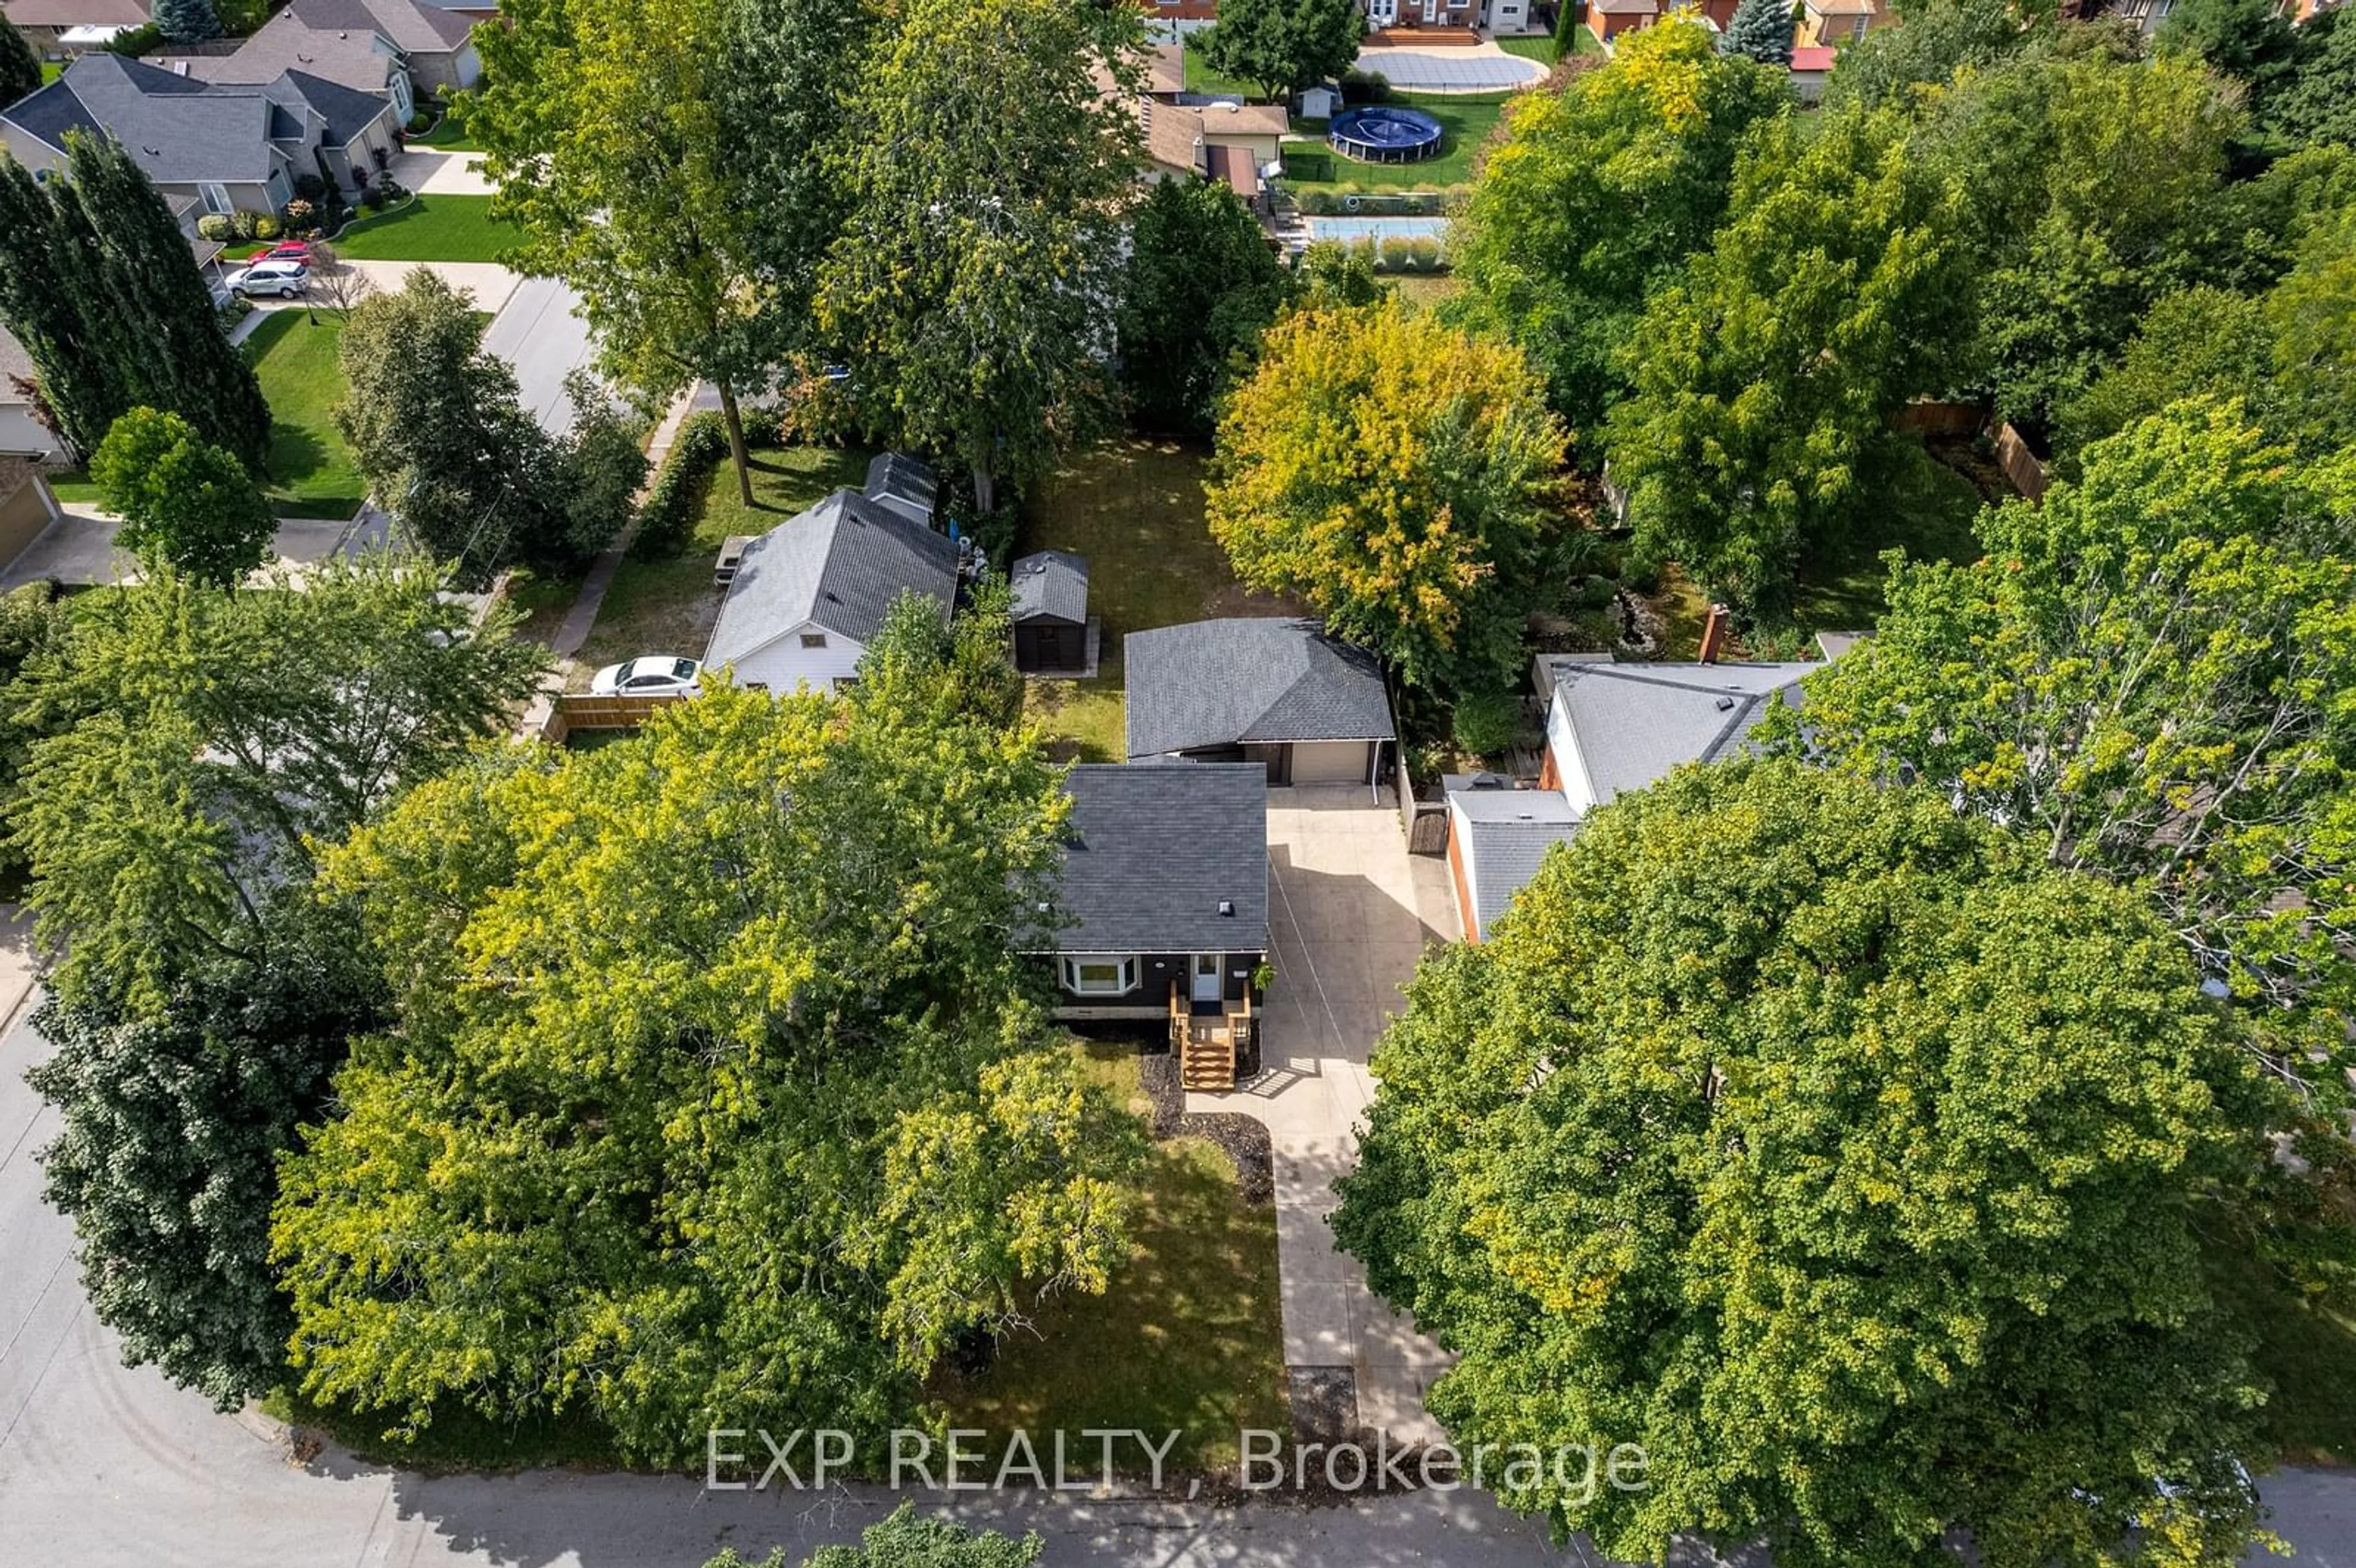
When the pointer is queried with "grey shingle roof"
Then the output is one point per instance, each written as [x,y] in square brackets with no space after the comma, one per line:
[347,112]
[14,361]
[905,484]
[839,564]
[1155,848]
[1053,582]
[1635,722]
[1509,831]
[417,30]
[284,43]
[179,130]
[75,13]
[1222,683]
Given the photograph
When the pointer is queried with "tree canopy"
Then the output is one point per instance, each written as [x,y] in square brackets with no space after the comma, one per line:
[1200,287]
[907,1541]
[97,282]
[2147,676]
[192,747]
[970,303]
[1760,30]
[1937,38]
[2315,102]
[1766,376]
[20,67]
[1597,194]
[1394,475]
[183,500]
[718,1093]
[1830,1146]
[1285,46]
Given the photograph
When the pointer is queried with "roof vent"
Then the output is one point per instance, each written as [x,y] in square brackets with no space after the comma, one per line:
[1488,781]
[1724,703]
[1227,906]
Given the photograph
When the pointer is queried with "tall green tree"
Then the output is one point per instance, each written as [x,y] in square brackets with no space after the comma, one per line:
[2200,342]
[183,501]
[186,21]
[1200,286]
[1392,474]
[2088,182]
[2250,40]
[2316,102]
[1760,30]
[1847,1159]
[1596,196]
[20,67]
[601,122]
[1766,376]
[199,998]
[719,1096]
[2145,676]
[96,281]
[1285,46]
[1899,66]
[971,305]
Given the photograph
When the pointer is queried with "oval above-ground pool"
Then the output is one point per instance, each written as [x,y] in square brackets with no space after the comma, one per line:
[1384,133]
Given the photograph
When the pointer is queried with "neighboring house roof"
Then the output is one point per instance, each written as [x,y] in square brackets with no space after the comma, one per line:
[1224,683]
[840,565]
[1625,7]
[286,43]
[1509,832]
[1165,69]
[1842,7]
[1234,167]
[74,13]
[1174,131]
[347,113]
[1153,851]
[1053,583]
[1810,58]
[14,362]
[1635,722]
[179,130]
[905,484]
[405,24]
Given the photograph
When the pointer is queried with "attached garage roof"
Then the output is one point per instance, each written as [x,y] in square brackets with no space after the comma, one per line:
[1155,851]
[1224,683]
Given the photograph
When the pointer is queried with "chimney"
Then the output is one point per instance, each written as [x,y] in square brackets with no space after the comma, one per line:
[1713,634]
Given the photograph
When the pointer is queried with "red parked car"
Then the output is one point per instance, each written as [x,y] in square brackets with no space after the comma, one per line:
[287,250]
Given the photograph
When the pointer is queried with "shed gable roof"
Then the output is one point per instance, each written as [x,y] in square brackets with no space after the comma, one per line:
[1052,583]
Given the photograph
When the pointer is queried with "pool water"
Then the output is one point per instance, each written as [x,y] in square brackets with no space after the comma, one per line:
[1377,228]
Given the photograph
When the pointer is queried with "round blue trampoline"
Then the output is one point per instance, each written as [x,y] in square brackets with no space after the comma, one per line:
[1381,134]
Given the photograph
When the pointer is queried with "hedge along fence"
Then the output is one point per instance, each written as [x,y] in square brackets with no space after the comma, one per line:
[1349,199]
[667,516]
[1400,253]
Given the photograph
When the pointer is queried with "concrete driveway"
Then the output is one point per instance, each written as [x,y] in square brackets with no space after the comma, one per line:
[429,172]
[1351,912]
[539,331]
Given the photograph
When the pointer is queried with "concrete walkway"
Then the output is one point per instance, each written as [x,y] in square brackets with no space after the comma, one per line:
[1351,912]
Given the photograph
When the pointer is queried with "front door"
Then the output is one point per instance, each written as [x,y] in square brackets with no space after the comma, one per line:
[1209,974]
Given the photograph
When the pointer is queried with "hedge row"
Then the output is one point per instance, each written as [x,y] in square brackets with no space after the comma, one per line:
[667,516]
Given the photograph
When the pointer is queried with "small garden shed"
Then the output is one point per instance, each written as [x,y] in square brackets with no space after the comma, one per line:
[1051,613]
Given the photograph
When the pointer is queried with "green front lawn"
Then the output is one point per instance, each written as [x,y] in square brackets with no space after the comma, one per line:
[311,472]
[448,136]
[1539,47]
[1189,1339]
[1928,512]
[1465,121]
[75,486]
[1135,509]
[427,228]
[668,606]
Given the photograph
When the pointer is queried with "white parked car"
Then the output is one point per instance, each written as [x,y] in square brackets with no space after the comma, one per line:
[649,674]
[284,279]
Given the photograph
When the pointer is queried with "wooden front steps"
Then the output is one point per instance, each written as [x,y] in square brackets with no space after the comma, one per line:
[1207,1044]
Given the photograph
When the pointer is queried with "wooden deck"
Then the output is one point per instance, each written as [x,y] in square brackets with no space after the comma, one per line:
[1208,1044]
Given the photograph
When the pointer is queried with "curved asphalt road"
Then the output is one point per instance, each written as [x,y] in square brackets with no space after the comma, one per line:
[101,1466]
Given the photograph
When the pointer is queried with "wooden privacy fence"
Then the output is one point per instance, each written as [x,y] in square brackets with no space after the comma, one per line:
[2021,465]
[571,711]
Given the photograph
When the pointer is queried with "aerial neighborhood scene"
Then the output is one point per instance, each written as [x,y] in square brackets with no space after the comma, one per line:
[1313,783]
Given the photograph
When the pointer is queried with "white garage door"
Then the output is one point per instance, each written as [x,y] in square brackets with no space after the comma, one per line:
[1329,762]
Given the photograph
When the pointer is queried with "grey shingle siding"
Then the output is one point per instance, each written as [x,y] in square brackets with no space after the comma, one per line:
[840,564]
[1154,849]
[1210,684]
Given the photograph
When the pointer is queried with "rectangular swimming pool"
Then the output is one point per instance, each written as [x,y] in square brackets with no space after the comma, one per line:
[1377,228]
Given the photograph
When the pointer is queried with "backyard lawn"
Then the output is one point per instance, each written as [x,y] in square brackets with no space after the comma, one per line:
[427,228]
[1930,515]
[1465,121]
[668,606]
[1201,78]
[1189,1339]
[311,472]
[1135,509]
